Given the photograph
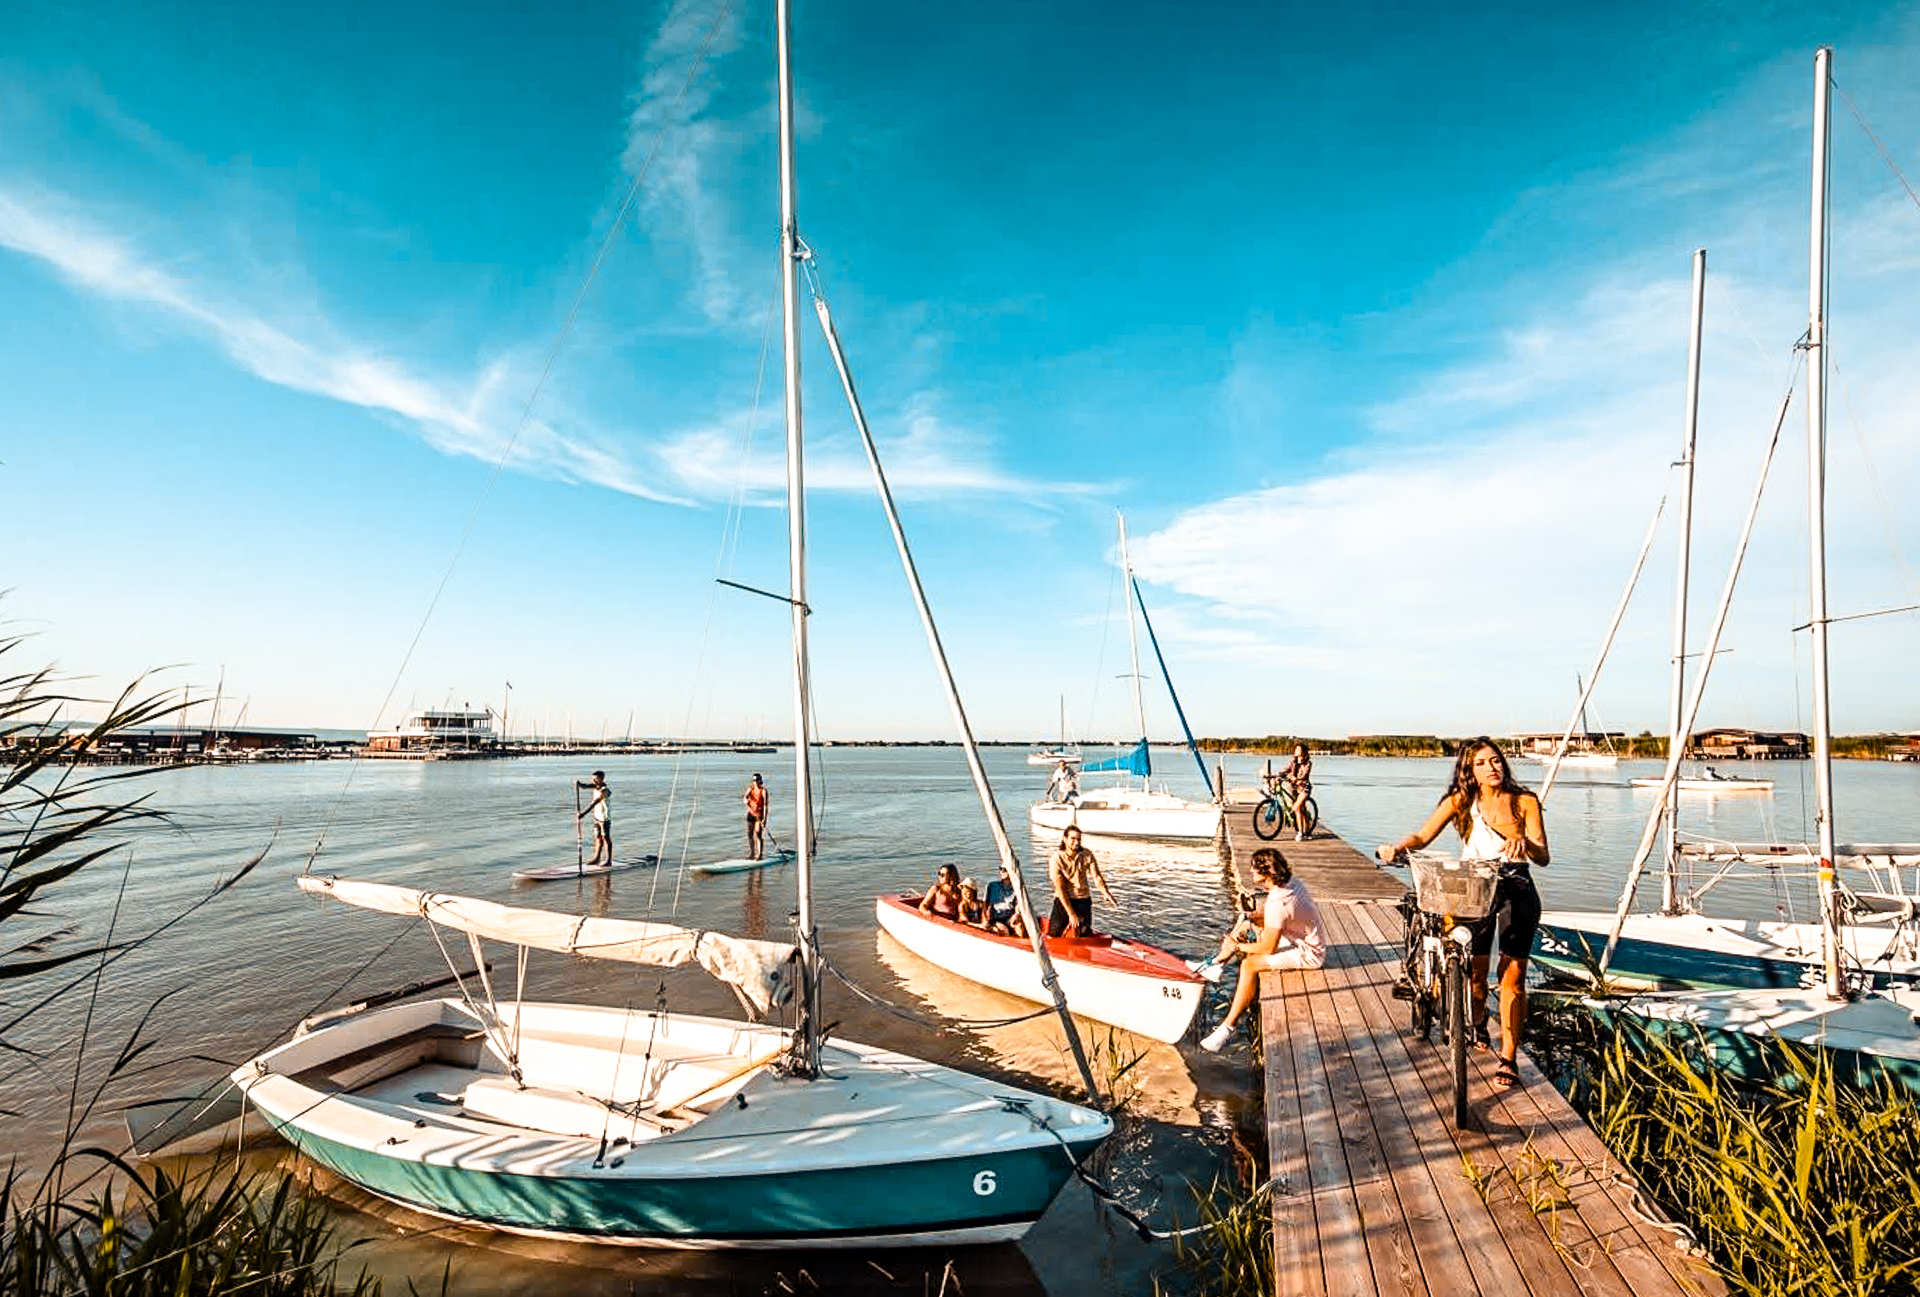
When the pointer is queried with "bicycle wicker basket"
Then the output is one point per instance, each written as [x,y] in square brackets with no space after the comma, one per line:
[1462,889]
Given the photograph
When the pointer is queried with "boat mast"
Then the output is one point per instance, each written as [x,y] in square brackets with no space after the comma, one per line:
[806,1054]
[1133,638]
[1817,519]
[1676,736]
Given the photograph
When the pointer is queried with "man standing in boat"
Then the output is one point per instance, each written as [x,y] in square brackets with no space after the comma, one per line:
[755,799]
[597,806]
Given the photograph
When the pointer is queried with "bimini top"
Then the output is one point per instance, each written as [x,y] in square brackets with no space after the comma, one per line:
[753,967]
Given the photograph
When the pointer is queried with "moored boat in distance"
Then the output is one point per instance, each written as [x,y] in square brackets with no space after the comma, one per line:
[1125,983]
[437,735]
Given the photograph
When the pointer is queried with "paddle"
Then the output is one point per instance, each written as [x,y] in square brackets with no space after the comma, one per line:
[579,841]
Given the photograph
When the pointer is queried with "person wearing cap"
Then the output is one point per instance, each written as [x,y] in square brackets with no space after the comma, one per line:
[1003,906]
[755,798]
[599,807]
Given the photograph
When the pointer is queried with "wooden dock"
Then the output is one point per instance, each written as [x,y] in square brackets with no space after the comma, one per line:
[1375,1191]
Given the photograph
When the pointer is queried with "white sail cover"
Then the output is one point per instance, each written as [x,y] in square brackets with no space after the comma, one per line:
[752,966]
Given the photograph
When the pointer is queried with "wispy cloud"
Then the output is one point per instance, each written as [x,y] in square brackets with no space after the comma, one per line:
[929,458]
[474,418]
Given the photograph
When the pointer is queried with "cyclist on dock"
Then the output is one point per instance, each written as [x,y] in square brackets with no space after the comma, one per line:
[1297,781]
[1289,936]
[1497,820]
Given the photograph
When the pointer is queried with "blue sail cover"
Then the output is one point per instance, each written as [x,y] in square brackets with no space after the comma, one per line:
[1135,762]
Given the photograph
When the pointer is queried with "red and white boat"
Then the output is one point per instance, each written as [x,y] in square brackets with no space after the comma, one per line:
[1148,991]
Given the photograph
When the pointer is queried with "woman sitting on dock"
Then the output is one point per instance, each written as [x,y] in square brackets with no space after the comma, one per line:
[1290,936]
[1499,820]
[942,900]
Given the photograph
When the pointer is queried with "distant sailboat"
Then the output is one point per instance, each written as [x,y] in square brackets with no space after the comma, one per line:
[1122,810]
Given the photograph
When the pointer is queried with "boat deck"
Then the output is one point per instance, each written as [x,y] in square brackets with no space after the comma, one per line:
[1376,1192]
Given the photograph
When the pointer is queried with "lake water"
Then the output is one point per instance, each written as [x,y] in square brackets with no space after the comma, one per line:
[235,976]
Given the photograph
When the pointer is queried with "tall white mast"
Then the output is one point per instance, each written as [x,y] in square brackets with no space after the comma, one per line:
[1133,638]
[1676,723]
[807,1047]
[1817,517]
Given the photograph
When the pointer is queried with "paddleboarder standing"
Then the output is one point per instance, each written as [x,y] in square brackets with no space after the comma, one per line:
[602,813]
[755,799]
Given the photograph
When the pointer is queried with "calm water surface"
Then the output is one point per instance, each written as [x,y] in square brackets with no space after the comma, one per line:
[233,978]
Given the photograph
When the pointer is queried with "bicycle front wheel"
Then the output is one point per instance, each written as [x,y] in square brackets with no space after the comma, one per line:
[1269,817]
[1455,991]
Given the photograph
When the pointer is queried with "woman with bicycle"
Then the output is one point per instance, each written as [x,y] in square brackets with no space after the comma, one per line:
[1290,936]
[1297,780]
[1497,820]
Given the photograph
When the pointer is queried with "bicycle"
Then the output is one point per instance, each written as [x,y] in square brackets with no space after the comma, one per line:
[1450,902]
[1275,815]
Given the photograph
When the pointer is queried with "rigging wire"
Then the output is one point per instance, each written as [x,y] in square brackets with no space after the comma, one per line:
[526,409]
[1884,155]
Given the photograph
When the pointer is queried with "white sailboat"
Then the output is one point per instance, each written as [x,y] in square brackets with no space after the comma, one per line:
[1061,753]
[1122,810]
[1580,753]
[577,1121]
[1869,1033]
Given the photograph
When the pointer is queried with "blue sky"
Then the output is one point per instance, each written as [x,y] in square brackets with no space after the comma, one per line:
[1372,319]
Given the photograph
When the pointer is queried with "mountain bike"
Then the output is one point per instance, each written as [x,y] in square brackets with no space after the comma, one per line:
[1451,900]
[1274,814]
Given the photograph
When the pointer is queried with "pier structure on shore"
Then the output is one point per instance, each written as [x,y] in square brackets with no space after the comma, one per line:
[1374,1189]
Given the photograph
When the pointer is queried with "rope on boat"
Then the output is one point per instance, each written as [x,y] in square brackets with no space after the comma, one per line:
[1112,1200]
[921,1019]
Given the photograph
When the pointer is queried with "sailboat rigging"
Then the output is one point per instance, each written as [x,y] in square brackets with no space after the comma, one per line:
[1120,809]
[579,1121]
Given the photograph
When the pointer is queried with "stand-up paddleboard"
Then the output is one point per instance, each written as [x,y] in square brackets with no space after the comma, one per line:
[551,873]
[742,864]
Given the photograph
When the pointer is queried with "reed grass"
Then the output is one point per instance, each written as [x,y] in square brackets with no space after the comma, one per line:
[87,1221]
[1232,1254]
[1799,1186]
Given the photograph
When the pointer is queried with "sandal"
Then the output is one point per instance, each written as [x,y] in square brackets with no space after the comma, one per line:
[1506,1076]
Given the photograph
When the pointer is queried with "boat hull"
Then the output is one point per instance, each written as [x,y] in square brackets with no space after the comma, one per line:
[1700,952]
[1129,984]
[415,1104]
[1694,785]
[1130,813]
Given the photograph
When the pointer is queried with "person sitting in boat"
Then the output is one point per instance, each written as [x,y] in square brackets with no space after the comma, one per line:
[1064,787]
[1003,906]
[1289,935]
[1069,872]
[942,900]
[973,910]
[1498,820]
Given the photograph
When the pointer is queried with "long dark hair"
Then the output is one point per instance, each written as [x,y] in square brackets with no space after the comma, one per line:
[1465,789]
[1272,866]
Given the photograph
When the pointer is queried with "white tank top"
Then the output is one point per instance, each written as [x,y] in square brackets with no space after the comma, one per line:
[1485,842]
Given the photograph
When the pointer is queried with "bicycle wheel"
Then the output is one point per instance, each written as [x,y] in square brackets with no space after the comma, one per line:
[1456,997]
[1420,1002]
[1313,817]
[1269,817]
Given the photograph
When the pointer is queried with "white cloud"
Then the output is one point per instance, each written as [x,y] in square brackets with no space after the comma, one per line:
[473,418]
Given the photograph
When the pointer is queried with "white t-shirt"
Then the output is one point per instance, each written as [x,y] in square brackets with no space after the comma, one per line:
[1292,911]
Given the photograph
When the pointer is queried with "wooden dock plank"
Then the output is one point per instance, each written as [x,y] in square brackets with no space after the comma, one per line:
[1361,1136]
[1415,1148]
[1598,1186]
[1336,1207]
[1296,1250]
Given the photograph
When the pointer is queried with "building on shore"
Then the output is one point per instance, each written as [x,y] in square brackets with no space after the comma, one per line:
[434,735]
[1728,744]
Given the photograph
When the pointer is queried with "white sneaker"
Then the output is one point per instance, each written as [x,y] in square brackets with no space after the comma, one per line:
[1299,837]
[1216,1040]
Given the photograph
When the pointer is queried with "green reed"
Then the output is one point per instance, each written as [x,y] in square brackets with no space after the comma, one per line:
[1231,1255]
[88,1221]
[1798,1186]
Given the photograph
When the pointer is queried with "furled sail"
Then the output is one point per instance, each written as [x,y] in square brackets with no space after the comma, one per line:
[1134,762]
[755,967]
